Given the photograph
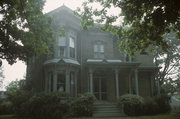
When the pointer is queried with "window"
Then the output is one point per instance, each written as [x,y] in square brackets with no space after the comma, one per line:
[61,51]
[71,42]
[72,84]
[62,41]
[50,80]
[61,82]
[99,50]
[72,46]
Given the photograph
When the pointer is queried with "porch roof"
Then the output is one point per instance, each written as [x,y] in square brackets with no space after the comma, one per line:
[61,61]
[111,62]
[149,68]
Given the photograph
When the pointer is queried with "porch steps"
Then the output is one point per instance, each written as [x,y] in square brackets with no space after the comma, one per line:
[107,110]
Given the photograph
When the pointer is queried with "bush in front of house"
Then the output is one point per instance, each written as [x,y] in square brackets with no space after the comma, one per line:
[150,107]
[47,106]
[132,104]
[163,102]
[19,102]
[82,106]
[5,107]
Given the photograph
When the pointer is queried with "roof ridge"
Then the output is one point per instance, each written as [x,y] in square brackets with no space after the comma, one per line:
[62,7]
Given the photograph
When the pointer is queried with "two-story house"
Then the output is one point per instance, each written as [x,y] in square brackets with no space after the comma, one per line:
[90,61]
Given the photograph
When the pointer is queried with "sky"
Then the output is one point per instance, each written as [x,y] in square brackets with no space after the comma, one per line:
[18,70]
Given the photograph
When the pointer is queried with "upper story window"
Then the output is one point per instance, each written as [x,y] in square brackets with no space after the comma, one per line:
[62,51]
[62,41]
[61,47]
[99,50]
[72,46]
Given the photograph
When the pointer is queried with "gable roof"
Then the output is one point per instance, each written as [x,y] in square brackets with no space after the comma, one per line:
[61,8]
[65,9]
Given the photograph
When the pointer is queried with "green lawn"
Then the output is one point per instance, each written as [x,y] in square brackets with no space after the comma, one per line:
[173,115]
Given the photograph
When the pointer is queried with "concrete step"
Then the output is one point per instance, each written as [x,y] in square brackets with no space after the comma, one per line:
[108,114]
[107,110]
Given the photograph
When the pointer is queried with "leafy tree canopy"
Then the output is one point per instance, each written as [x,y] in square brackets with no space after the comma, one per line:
[12,88]
[168,61]
[24,29]
[144,21]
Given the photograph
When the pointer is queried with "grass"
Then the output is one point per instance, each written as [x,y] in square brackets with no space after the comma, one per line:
[10,117]
[173,115]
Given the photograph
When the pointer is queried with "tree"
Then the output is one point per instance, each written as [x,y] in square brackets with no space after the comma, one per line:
[12,88]
[168,61]
[144,21]
[24,29]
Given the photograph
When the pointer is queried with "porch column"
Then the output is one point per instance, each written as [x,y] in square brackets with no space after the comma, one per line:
[158,87]
[49,82]
[130,81]
[55,81]
[152,83]
[136,82]
[67,82]
[117,82]
[46,82]
[91,80]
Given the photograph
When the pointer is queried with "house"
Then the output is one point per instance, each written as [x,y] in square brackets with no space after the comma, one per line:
[90,61]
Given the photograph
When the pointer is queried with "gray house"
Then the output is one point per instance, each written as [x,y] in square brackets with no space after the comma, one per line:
[90,61]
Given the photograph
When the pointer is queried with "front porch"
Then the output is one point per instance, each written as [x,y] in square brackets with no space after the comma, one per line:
[108,81]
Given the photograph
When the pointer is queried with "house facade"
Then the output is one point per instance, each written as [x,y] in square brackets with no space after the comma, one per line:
[90,61]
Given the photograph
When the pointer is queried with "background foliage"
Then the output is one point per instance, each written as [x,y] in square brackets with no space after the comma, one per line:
[24,29]
[143,25]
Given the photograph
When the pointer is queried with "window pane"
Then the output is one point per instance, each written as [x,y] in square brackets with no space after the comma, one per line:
[62,51]
[72,52]
[101,48]
[101,55]
[50,77]
[95,48]
[71,42]
[95,55]
[72,83]
[61,82]
[98,50]
[62,41]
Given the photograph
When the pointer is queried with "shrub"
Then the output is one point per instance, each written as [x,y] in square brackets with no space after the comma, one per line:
[132,104]
[5,107]
[82,106]
[163,102]
[150,107]
[47,105]
[19,102]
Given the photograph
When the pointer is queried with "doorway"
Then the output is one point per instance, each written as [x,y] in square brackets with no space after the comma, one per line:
[100,87]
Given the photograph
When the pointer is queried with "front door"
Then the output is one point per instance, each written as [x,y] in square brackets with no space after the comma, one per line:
[100,88]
